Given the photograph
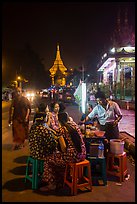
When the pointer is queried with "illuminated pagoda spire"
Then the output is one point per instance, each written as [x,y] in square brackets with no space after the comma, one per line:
[118,22]
[58,68]
[127,32]
[116,34]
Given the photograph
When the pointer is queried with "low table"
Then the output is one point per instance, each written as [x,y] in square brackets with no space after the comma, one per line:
[92,144]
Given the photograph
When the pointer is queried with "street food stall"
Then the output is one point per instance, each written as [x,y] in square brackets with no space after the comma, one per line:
[94,140]
[93,137]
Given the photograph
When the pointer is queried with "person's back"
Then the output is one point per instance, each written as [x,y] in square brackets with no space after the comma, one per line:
[40,113]
[42,141]
[62,107]
[76,150]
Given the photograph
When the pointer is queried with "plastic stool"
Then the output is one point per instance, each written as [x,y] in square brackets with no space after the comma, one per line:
[34,170]
[75,176]
[117,165]
[101,174]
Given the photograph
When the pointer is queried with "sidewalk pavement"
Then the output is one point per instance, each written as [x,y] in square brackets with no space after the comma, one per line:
[15,190]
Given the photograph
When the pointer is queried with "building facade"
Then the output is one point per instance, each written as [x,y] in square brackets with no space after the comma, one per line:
[116,71]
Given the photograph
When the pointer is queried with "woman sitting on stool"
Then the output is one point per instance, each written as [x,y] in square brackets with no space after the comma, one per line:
[73,151]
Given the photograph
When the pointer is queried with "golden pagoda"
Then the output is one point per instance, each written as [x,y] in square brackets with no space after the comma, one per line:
[58,71]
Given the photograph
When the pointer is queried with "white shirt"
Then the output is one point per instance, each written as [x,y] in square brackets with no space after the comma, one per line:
[113,111]
[100,112]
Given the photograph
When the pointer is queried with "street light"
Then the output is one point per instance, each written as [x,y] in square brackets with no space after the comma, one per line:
[19,78]
[19,83]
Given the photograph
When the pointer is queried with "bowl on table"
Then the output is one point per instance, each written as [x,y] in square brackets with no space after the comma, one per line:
[93,128]
[89,133]
[99,133]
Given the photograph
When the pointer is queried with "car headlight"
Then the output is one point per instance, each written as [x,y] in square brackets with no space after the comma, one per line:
[32,94]
[28,94]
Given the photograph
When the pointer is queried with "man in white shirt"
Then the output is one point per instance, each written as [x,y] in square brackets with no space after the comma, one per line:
[100,113]
[114,116]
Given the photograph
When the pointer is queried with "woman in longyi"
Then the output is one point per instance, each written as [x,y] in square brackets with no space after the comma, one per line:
[74,150]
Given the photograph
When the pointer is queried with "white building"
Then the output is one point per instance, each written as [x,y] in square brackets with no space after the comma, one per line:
[116,71]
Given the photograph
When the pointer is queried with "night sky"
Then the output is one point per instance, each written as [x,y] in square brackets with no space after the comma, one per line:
[83,31]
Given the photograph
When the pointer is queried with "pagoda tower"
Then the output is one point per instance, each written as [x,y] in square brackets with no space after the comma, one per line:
[123,34]
[58,71]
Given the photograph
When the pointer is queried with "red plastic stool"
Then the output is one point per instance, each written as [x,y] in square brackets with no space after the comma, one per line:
[78,175]
[117,165]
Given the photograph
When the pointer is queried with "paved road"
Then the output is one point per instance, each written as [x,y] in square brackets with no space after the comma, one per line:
[15,190]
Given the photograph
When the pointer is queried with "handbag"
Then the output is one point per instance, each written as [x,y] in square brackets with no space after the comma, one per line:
[62,144]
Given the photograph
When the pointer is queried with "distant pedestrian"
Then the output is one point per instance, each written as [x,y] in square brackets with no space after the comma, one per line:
[92,99]
[19,113]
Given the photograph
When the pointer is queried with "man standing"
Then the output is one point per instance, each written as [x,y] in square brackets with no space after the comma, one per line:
[114,116]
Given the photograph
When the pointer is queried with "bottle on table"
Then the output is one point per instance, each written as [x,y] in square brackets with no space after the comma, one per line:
[101,150]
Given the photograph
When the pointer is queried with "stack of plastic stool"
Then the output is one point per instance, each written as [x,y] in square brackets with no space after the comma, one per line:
[117,165]
[98,169]
[76,178]
[34,170]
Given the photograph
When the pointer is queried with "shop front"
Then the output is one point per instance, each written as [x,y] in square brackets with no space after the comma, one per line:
[117,73]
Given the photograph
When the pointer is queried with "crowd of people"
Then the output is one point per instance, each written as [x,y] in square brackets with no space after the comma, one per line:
[55,137]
